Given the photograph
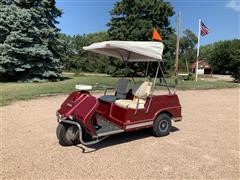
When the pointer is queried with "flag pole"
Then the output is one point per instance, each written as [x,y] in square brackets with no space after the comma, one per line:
[198,47]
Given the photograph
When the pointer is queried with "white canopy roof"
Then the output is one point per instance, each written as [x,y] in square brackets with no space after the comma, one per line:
[134,51]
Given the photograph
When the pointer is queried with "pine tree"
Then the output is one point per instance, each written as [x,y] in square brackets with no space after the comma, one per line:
[133,20]
[29,44]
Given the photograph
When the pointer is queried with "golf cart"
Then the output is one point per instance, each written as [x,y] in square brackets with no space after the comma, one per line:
[86,119]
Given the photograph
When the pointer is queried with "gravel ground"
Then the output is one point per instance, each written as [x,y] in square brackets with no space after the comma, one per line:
[204,145]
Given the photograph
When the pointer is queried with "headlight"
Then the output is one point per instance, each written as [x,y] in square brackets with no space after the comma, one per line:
[59,116]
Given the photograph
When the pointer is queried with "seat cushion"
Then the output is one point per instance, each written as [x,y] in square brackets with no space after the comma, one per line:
[129,104]
[108,98]
[134,105]
[142,89]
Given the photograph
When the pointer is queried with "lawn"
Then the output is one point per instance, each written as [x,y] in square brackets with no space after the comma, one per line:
[11,92]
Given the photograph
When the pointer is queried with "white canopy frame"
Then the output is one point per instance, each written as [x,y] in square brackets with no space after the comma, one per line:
[131,51]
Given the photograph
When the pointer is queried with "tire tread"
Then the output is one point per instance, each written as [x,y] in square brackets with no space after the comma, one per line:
[156,131]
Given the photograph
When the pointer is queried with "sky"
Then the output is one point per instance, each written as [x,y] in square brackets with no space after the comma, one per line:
[222,17]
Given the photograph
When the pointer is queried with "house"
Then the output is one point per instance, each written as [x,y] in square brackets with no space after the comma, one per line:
[203,67]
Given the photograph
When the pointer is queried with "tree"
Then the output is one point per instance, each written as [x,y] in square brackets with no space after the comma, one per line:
[29,45]
[187,45]
[235,65]
[134,20]
[81,61]
[224,56]
[205,51]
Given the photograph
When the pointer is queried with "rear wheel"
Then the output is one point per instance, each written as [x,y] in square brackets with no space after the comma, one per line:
[67,134]
[162,125]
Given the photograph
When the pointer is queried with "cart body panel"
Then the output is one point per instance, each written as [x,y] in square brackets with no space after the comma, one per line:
[80,106]
[131,119]
[83,108]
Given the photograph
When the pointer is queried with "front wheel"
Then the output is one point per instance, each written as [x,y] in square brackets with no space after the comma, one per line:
[162,125]
[67,134]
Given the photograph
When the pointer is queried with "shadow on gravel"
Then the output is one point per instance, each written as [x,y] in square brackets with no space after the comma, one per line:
[120,139]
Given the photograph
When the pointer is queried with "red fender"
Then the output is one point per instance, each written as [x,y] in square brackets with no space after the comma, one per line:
[84,112]
[81,106]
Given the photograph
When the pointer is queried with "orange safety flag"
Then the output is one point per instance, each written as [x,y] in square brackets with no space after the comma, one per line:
[156,36]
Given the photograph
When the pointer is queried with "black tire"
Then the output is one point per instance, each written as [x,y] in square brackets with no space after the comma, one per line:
[162,125]
[59,127]
[67,134]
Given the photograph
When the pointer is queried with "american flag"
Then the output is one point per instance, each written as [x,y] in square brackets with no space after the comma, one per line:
[204,29]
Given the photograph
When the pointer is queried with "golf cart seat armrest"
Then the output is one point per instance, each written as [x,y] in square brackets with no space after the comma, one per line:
[106,89]
[165,85]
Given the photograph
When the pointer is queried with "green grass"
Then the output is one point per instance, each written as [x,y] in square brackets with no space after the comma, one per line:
[201,85]
[11,92]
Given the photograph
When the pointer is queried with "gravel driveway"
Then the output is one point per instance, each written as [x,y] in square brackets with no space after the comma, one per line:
[204,145]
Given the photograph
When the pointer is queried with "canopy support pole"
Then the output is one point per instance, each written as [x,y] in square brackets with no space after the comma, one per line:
[155,79]
[147,70]
[165,81]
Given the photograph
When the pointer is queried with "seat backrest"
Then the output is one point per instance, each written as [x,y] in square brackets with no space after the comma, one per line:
[142,90]
[122,88]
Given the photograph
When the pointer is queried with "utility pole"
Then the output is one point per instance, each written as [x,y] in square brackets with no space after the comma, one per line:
[186,61]
[177,48]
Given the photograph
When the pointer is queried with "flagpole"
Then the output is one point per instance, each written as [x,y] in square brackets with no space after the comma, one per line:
[198,47]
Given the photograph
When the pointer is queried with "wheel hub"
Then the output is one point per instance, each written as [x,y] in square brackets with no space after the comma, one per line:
[163,126]
[72,133]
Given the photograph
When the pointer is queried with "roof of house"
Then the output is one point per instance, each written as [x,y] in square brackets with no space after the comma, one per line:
[201,64]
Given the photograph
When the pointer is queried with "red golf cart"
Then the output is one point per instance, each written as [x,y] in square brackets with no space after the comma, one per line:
[86,119]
